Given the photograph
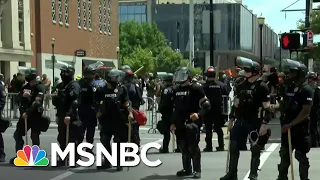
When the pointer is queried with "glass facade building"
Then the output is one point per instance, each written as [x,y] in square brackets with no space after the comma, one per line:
[236,31]
[132,12]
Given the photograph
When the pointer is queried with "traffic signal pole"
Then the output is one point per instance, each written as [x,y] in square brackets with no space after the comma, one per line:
[211,35]
[307,26]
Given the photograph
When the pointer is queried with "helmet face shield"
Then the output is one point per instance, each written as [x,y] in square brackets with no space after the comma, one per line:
[180,77]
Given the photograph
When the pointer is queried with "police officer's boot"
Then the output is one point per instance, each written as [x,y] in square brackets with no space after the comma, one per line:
[19,144]
[2,155]
[283,172]
[233,167]
[196,162]
[255,161]
[304,171]
[105,165]
[163,150]
[187,169]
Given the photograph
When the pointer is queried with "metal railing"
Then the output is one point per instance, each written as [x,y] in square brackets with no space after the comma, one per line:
[11,109]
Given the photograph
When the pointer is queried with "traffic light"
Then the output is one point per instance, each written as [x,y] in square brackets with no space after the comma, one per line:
[290,41]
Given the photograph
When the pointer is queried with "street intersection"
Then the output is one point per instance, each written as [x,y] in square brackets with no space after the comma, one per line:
[213,164]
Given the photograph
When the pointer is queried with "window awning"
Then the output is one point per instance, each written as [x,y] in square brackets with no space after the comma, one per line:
[107,64]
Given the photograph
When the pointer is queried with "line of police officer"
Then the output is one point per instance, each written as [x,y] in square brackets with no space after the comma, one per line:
[79,105]
[249,116]
[112,104]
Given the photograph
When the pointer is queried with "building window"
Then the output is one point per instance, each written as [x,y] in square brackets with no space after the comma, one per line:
[84,10]
[66,12]
[21,22]
[104,16]
[100,15]
[79,14]
[109,17]
[89,15]
[60,11]
[53,11]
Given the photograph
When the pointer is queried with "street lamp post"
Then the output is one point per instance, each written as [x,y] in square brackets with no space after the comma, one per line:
[280,55]
[118,57]
[53,59]
[261,24]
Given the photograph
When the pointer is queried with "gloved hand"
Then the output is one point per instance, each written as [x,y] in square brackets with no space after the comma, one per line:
[78,123]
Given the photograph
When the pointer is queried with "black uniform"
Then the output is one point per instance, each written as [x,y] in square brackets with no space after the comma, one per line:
[3,123]
[135,97]
[31,100]
[216,92]
[66,103]
[165,108]
[250,116]
[315,111]
[297,96]
[186,101]
[114,116]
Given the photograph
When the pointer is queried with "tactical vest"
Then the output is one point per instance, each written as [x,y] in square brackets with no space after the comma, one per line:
[214,94]
[166,101]
[112,101]
[247,102]
[62,101]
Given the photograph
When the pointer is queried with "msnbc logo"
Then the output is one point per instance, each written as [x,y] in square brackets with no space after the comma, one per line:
[31,156]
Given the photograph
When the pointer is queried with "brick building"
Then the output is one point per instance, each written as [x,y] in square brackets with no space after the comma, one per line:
[90,25]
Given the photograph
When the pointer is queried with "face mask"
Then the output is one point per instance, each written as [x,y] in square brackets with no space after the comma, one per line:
[66,78]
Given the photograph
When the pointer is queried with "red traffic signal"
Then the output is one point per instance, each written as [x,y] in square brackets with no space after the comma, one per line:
[290,41]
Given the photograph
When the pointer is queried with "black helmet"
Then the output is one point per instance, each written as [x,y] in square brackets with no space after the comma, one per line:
[312,75]
[248,64]
[181,75]
[89,70]
[168,77]
[211,72]
[125,67]
[114,76]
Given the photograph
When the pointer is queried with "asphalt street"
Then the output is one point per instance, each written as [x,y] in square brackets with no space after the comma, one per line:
[213,164]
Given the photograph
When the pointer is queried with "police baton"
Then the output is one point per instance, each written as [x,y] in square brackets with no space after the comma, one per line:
[129,134]
[138,69]
[26,129]
[67,142]
[217,68]
[290,154]
[173,141]
[228,154]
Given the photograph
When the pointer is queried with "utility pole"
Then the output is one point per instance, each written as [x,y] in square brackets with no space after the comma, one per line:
[211,35]
[307,26]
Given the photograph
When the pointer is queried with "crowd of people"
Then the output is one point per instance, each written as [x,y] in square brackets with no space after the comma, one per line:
[186,104]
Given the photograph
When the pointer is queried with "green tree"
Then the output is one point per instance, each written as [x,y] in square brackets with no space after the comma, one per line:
[145,35]
[148,37]
[168,60]
[140,57]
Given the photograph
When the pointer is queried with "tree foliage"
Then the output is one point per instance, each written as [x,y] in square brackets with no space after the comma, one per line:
[140,57]
[145,45]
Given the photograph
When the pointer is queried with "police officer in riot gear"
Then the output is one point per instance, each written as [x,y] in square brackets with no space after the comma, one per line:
[87,113]
[217,94]
[4,123]
[114,113]
[189,102]
[66,103]
[315,112]
[165,108]
[252,103]
[135,97]
[298,101]
[31,95]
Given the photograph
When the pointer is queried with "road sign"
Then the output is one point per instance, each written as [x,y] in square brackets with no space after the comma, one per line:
[80,53]
[290,41]
[309,39]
